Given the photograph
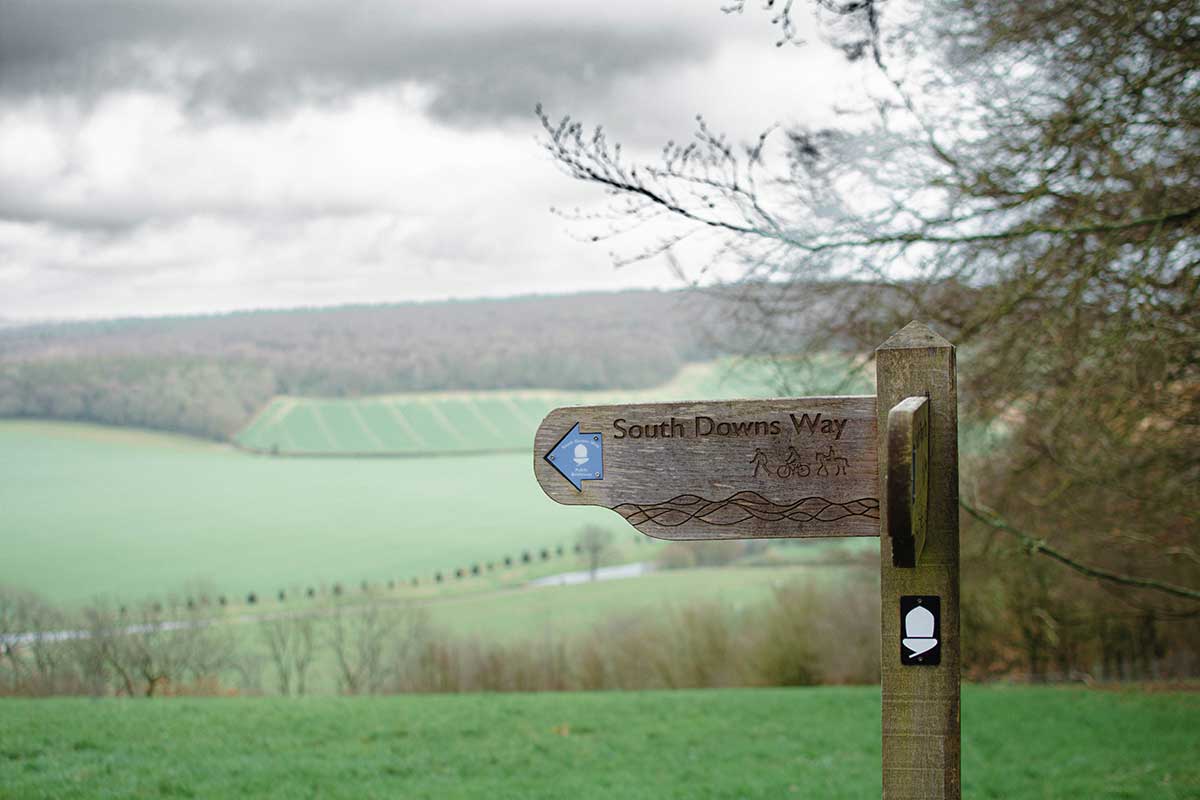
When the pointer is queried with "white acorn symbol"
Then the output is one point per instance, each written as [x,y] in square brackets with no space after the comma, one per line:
[918,630]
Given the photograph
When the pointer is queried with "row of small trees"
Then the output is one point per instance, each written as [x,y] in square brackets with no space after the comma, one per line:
[151,649]
[593,543]
[799,635]
[178,645]
[378,643]
[163,648]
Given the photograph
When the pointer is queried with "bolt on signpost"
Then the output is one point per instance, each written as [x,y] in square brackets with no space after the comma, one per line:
[804,468]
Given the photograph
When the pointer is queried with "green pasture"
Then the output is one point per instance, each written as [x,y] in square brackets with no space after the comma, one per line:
[752,743]
[89,511]
[529,611]
[466,422]
[92,511]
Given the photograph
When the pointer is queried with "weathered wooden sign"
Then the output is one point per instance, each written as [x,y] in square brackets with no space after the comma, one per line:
[798,467]
[807,467]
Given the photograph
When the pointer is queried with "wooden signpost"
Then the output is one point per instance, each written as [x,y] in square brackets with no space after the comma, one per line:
[883,465]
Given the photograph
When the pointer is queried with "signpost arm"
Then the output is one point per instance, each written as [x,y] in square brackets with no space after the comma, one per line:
[921,703]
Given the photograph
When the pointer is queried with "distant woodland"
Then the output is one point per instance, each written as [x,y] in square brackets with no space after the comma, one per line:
[207,375]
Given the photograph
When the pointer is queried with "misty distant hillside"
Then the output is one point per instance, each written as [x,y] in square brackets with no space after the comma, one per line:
[206,375]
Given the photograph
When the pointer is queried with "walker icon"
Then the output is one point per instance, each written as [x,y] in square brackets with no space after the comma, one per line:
[920,630]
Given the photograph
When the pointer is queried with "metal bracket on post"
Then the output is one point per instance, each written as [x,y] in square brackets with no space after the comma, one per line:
[908,479]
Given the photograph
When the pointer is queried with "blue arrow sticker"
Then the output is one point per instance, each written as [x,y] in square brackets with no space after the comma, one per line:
[579,457]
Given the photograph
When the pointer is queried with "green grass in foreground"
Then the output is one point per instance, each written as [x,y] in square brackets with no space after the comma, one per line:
[767,743]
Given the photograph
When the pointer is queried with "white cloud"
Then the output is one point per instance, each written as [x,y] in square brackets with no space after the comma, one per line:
[130,202]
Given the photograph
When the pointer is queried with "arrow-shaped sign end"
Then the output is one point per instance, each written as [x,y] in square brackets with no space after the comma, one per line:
[578,457]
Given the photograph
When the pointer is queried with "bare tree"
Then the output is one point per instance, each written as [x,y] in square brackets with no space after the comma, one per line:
[594,543]
[371,642]
[291,645]
[154,648]
[35,655]
[1026,176]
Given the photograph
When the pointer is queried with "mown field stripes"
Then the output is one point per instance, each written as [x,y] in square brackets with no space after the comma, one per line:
[447,423]
[401,420]
[372,436]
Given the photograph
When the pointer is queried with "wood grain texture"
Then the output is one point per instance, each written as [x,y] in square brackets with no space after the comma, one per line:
[907,479]
[921,744]
[803,467]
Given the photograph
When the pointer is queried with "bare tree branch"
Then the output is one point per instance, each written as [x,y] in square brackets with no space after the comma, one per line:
[1035,545]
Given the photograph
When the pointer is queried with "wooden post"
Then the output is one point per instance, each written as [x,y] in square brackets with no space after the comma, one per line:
[921,686]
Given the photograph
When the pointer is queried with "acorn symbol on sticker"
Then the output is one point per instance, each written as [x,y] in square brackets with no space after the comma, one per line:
[918,631]
[581,454]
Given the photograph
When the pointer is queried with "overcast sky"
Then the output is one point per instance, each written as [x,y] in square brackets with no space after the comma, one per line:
[169,156]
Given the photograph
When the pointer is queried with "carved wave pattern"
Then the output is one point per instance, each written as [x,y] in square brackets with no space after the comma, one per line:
[742,507]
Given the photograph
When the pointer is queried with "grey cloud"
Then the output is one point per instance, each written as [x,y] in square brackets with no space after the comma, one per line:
[255,58]
[125,214]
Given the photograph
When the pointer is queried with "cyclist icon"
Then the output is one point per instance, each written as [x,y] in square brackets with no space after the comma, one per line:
[793,466]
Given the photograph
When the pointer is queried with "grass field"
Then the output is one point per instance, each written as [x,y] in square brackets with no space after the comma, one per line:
[99,511]
[765,743]
[563,609]
[90,510]
[464,422]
